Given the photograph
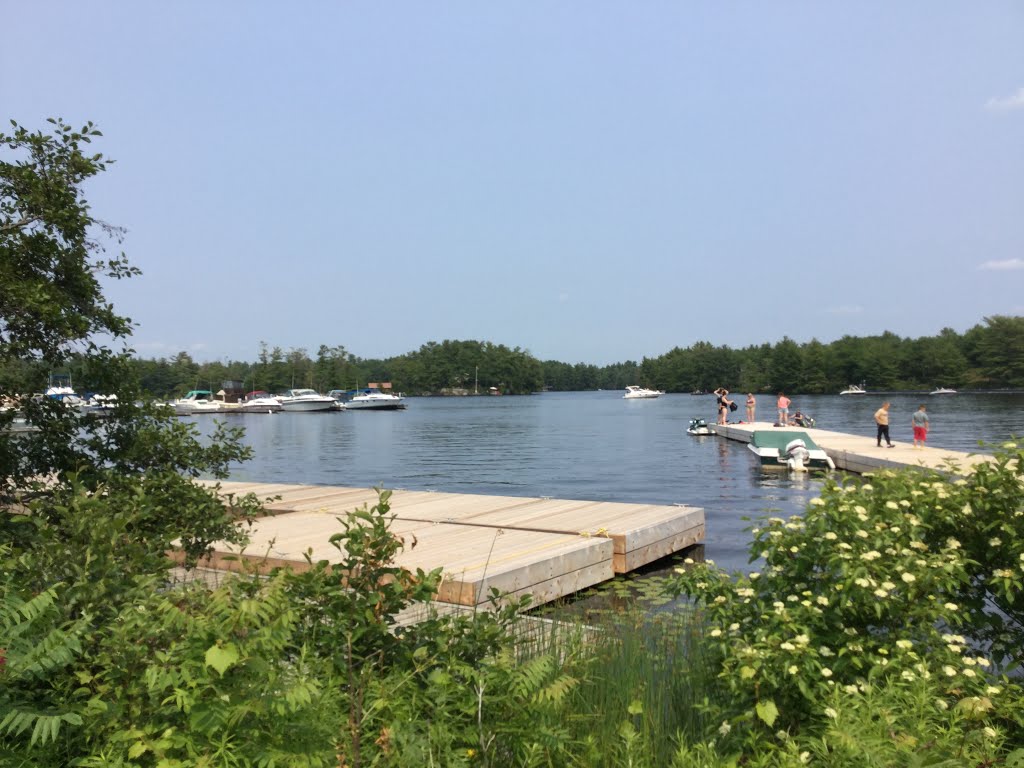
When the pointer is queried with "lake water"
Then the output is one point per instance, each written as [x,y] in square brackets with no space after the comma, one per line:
[590,445]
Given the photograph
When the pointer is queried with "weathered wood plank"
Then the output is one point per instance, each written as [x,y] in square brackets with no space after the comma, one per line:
[546,548]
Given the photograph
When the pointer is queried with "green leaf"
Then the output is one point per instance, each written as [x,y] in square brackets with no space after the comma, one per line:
[747,672]
[767,711]
[221,657]
[635,707]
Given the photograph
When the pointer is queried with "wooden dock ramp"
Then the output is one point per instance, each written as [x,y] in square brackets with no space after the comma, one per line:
[547,548]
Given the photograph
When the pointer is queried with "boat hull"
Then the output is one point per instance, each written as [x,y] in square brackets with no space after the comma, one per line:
[307,406]
[265,405]
[376,404]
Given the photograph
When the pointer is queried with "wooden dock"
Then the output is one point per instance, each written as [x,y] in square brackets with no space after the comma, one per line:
[546,548]
[856,453]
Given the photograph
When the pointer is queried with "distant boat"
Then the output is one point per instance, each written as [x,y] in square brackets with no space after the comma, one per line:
[259,401]
[372,400]
[305,401]
[634,392]
[942,391]
[853,389]
[196,401]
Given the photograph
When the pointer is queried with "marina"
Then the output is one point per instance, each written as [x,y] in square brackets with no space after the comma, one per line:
[598,447]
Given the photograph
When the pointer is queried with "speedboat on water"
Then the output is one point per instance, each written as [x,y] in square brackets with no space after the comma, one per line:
[196,401]
[373,400]
[259,401]
[853,389]
[700,428]
[942,391]
[789,449]
[634,392]
[305,401]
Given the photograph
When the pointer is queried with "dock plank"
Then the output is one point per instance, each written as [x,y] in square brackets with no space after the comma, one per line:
[546,548]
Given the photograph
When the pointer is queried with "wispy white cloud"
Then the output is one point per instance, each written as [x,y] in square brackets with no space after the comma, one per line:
[1005,104]
[846,309]
[1003,265]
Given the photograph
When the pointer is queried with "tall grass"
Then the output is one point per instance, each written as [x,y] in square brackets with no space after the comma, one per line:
[643,681]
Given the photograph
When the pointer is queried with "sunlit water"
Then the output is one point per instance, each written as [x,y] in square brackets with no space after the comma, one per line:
[589,445]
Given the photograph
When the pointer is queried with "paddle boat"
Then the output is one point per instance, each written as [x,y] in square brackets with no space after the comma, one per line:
[853,389]
[789,449]
[942,391]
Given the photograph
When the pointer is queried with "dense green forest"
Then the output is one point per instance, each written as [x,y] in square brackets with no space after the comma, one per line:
[988,356]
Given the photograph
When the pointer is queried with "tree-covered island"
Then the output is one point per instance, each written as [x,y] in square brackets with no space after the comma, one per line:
[988,356]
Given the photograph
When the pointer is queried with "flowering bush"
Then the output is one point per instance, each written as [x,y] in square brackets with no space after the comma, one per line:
[894,581]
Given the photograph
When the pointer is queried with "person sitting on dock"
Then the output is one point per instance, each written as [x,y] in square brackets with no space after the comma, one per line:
[799,419]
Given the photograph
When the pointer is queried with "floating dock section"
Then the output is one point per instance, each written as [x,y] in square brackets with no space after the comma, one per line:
[541,547]
[856,453]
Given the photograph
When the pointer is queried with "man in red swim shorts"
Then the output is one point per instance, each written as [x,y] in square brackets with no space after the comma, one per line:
[919,421]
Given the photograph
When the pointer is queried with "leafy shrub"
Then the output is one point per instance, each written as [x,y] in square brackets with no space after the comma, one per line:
[887,584]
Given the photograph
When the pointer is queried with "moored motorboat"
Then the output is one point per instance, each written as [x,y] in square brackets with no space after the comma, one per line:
[196,401]
[700,428]
[259,401]
[788,449]
[372,400]
[305,401]
[633,392]
[942,391]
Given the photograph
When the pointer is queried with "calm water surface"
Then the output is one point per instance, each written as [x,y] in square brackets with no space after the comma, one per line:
[590,445]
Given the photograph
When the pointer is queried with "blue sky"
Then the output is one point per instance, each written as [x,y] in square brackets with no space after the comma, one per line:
[591,181]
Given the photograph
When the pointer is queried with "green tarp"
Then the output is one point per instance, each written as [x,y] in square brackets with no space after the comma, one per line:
[780,438]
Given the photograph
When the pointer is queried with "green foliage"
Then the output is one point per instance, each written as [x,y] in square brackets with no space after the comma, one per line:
[889,585]
[35,645]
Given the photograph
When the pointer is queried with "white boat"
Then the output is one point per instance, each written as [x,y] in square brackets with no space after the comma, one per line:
[196,401]
[305,401]
[700,428]
[373,400]
[853,389]
[942,391]
[634,392]
[60,389]
[259,401]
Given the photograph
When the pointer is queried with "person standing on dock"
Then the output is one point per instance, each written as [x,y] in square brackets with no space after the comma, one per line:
[723,404]
[919,422]
[783,406]
[751,406]
[882,420]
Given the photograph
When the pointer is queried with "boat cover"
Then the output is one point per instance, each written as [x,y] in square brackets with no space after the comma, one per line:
[780,438]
